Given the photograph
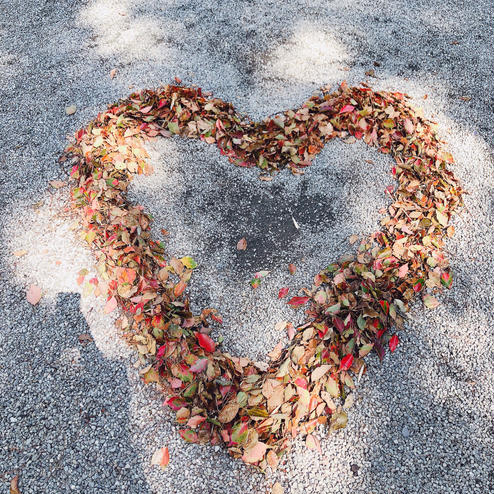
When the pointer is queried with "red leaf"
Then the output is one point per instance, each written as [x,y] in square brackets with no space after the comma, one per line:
[195,421]
[393,342]
[297,301]
[189,435]
[283,292]
[206,342]
[417,287]
[346,362]
[165,458]
[217,318]
[446,280]
[175,402]
[347,109]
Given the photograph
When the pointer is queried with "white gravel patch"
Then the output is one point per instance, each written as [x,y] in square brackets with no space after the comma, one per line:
[77,419]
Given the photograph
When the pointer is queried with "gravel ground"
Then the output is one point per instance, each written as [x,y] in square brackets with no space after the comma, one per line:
[76,418]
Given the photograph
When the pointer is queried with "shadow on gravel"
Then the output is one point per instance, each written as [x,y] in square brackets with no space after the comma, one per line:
[422,426]
[64,414]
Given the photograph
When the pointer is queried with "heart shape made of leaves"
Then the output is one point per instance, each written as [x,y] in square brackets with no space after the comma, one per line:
[352,304]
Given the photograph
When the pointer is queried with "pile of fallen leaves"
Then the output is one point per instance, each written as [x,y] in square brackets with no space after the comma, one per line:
[352,304]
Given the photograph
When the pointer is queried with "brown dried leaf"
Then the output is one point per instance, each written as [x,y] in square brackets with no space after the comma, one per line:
[229,412]
[277,488]
[242,244]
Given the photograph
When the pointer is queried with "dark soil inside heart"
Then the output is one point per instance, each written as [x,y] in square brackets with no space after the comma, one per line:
[270,225]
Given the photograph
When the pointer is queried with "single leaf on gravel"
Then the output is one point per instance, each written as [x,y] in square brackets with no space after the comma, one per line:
[161,457]
[14,485]
[229,412]
[85,339]
[292,268]
[206,342]
[311,442]
[20,253]
[242,244]
[430,302]
[113,73]
[33,294]
[70,110]
[283,292]
[255,453]
[353,239]
[277,488]
[393,342]
[111,305]
[297,301]
[446,279]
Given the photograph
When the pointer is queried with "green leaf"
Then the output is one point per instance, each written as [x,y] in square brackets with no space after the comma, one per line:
[332,387]
[242,399]
[173,127]
[189,262]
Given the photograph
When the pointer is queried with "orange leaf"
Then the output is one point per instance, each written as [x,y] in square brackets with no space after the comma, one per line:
[161,457]
[254,453]
[179,288]
[242,244]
